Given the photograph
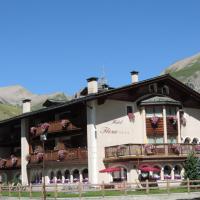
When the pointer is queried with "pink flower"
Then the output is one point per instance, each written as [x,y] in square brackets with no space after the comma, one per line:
[33,130]
[154,121]
[45,127]
[65,123]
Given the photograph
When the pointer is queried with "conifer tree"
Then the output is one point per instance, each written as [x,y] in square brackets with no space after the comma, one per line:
[192,167]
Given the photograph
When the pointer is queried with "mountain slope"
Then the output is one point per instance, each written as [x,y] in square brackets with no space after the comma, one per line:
[187,71]
[11,100]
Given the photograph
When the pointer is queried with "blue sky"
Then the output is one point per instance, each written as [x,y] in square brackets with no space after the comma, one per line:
[49,46]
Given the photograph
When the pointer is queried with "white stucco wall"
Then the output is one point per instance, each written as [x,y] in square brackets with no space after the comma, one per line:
[114,128]
[192,128]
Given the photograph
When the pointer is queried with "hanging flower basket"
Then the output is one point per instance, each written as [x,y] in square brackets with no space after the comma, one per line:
[131,116]
[45,127]
[154,121]
[183,120]
[3,163]
[33,130]
[173,120]
[65,123]
[176,148]
[61,155]
[40,157]
[14,160]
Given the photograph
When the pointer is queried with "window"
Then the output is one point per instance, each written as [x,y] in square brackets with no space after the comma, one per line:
[153,111]
[171,110]
[155,140]
[171,140]
[129,109]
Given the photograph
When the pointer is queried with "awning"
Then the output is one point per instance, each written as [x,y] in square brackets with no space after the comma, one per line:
[110,170]
[149,169]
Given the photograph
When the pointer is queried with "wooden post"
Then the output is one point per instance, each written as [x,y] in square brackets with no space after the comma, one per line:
[168,186]
[56,191]
[30,191]
[19,191]
[103,189]
[125,185]
[147,186]
[9,190]
[80,189]
[188,185]
[0,190]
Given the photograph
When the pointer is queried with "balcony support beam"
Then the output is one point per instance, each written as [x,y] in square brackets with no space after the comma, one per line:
[24,150]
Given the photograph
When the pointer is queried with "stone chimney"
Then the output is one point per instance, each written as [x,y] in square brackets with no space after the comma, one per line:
[92,85]
[134,76]
[26,105]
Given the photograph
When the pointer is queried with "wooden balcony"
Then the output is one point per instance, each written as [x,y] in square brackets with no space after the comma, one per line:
[9,164]
[149,150]
[54,127]
[78,155]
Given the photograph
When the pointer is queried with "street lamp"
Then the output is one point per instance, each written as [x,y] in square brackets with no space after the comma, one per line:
[43,138]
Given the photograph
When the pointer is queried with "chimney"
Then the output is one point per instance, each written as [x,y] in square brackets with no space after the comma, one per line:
[134,76]
[92,85]
[26,105]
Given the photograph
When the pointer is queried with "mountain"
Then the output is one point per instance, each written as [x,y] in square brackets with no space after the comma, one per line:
[11,100]
[187,71]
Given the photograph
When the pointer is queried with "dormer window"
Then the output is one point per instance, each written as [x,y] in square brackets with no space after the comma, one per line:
[153,88]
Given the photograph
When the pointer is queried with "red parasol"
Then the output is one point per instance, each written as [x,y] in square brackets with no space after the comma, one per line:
[110,170]
[149,169]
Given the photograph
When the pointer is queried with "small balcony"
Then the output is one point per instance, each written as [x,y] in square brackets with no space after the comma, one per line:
[72,155]
[53,127]
[149,150]
[10,163]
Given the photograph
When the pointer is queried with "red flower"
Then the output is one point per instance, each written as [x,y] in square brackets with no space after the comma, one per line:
[45,127]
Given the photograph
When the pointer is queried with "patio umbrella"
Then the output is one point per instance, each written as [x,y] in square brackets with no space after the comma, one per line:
[110,170]
[149,169]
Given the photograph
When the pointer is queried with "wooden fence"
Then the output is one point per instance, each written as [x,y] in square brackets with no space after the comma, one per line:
[82,190]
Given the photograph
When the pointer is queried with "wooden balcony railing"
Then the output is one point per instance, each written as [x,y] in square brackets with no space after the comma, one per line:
[10,164]
[72,154]
[54,127]
[150,150]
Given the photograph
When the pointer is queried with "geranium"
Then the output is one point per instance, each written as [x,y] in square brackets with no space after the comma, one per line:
[40,157]
[33,130]
[177,176]
[183,121]
[61,154]
[176,148]
[154,121]
[65,123]
[3,163]
[13,160]
[131,116]
[166,176]
[173,120]
[45,127]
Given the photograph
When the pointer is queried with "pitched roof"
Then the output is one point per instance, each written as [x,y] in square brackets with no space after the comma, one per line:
[189,91]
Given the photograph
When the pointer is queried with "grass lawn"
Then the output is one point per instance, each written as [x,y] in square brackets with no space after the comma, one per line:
[100,193]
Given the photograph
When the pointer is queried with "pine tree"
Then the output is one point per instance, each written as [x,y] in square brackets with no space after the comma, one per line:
[192,167]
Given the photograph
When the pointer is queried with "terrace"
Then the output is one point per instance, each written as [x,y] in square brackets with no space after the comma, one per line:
[149,150]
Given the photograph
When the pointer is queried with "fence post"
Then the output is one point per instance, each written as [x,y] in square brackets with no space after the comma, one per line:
[80,189]
[56,191]
[9,190]
[168,186]
[125,186]
[0,190]
[19,191]
[147,186]
[103,189]
[188,185]
[30,191]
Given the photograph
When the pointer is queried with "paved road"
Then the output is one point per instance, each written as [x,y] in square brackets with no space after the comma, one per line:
[183,196]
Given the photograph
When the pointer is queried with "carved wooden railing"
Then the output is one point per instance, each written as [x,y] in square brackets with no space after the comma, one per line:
[10,164]
[54,126]
[71,154]
[150,150]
